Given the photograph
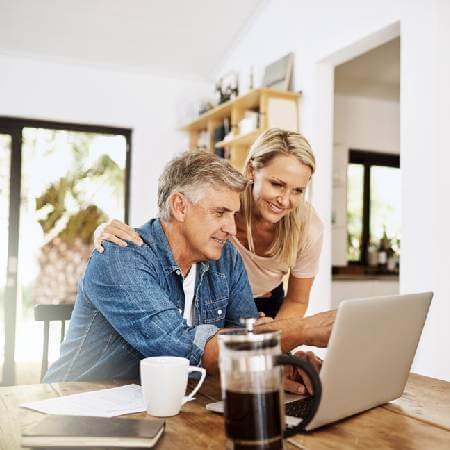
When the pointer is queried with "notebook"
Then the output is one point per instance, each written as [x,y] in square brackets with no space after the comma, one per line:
[77,431]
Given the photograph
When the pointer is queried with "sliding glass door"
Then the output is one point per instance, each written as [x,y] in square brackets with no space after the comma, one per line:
[67,179]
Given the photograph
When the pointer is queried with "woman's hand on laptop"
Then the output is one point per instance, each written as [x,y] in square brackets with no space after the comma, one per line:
[295,380]
[262,319]
[316,329]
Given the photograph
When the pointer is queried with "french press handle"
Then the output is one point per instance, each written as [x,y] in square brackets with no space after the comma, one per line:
[283,360]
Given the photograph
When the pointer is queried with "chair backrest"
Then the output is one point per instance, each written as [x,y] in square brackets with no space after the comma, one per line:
[47,314]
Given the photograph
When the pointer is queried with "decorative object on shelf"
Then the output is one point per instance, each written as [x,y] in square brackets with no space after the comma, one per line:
[226,126]
[203,140]
[205,106]
[249,123]
[227,87]
[219,135]
[372,257]
[278,74]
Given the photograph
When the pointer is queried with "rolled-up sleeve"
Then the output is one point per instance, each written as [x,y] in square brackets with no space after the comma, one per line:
[124,287]
[203,333]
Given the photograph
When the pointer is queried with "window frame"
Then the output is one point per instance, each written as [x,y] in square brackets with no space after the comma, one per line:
[368,159]
[14,127]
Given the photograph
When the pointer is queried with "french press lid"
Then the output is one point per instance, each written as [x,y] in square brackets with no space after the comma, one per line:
[247,338]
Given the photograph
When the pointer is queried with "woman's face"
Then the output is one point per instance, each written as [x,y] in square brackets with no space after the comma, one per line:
[278,187]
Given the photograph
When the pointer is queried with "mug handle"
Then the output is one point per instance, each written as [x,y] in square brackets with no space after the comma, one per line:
[189,397]
[283,360]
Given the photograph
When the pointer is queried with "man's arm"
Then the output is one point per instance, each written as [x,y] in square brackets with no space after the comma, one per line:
[123,285]
[313,330]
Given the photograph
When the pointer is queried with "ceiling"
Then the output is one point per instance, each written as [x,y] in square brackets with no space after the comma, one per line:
[375,73]
[179,38]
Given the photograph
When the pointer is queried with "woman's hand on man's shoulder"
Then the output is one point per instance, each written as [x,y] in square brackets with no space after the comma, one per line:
[117,232]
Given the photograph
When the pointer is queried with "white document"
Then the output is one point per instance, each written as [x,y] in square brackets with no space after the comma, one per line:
[103,403]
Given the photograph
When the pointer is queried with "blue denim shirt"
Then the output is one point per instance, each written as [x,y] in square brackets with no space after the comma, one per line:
[130,305]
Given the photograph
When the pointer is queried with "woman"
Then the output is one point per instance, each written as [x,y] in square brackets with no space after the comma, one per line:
[278,231]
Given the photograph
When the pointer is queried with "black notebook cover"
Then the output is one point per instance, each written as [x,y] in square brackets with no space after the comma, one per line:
[71,431]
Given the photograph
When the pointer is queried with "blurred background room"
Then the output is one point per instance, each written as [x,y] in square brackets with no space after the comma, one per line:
[97,95]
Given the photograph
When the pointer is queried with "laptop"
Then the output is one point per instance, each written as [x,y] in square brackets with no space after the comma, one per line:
[370,352]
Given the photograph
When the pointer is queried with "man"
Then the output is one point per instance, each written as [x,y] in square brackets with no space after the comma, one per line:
[173,294]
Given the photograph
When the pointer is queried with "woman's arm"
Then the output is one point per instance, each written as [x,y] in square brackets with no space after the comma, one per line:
[116,232]
[296,301]
[303,272]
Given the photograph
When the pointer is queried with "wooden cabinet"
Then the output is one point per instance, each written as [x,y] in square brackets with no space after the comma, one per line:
[275,109]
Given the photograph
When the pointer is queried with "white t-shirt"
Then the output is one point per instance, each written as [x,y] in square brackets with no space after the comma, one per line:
[189,291]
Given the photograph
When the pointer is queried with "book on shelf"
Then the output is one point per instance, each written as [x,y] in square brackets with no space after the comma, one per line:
[77,431]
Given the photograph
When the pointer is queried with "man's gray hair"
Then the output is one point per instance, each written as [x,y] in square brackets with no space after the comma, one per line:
[190,173]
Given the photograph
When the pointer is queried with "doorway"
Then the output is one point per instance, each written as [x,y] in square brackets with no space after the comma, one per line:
[58,181]
[366,201]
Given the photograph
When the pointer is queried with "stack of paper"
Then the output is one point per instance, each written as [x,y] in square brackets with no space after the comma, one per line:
[103,403]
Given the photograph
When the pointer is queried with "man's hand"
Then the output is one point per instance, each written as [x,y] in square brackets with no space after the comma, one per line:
[296,380]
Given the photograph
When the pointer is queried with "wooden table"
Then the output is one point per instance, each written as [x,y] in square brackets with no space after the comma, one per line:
[420,419]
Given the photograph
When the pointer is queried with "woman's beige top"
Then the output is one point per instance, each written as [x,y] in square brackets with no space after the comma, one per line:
[267,272]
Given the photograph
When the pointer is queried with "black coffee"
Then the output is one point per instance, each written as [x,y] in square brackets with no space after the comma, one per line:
[254,418]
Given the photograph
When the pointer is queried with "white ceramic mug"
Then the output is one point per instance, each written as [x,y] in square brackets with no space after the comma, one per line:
[164,380]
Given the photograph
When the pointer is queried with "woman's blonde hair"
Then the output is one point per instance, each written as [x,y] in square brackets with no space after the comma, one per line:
[291,229]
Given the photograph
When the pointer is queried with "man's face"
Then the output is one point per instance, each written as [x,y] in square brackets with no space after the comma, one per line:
[210,222]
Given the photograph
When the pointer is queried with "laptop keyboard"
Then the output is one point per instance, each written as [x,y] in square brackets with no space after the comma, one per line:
[299,408]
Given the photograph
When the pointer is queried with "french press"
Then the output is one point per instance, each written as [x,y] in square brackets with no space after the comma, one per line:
[252,388]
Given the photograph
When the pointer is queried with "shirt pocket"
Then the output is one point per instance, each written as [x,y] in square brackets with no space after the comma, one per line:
[215,312]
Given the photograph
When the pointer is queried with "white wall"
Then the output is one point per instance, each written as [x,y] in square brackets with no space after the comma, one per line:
[346,289]
[425,118]
[367,123]
[325,33]
[154,107]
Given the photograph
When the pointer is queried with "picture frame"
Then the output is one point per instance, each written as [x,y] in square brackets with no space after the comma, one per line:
[278,74]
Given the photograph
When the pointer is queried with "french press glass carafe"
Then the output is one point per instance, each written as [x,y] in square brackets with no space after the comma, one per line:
[252,388]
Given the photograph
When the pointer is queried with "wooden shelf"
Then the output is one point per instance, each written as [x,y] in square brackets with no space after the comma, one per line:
[245,102]
[275,108]
[243,139]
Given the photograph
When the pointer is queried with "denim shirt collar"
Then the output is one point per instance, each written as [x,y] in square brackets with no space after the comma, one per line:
[153,234]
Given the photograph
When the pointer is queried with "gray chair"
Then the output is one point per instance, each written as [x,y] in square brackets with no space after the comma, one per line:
[47,314]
